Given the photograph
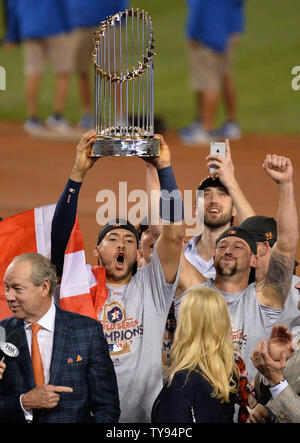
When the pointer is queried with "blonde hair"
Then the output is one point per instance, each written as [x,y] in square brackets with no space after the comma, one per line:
[203,340]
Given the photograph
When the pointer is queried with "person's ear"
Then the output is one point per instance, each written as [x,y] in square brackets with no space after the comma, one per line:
[253,261]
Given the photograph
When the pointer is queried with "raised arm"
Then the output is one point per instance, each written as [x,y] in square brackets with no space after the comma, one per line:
[225,173]
[169,243]
[66,208]
[153,194]
[189,275]
[275,288]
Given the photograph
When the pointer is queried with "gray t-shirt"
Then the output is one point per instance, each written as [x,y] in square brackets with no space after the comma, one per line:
[251,321]
[133,320]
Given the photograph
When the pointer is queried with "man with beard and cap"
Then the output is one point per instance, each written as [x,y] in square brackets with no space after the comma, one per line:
[222,200]
[136,304]
[254,310]
[264,231]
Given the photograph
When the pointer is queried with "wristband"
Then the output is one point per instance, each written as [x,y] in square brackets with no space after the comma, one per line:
[170,205]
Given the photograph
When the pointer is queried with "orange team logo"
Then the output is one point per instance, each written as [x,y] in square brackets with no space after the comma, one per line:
[268,236]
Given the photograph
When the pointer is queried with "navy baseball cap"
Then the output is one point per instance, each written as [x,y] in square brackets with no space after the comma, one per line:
[237,231]
[209,182]
[262,228]
[117,223]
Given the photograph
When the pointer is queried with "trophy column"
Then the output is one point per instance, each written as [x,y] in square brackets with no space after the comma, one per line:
[124,99]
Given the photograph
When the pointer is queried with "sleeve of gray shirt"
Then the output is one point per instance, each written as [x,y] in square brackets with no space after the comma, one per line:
[161,291]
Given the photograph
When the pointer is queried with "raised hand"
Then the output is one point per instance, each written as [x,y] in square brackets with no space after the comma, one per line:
[279,168]
[164,158]
[84,161]
[270,357]
[272,370]
[224,166]
[280,341]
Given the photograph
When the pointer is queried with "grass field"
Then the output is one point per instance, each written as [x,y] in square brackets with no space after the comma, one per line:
[267,53]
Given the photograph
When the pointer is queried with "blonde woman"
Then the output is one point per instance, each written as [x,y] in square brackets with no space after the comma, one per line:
[202,381]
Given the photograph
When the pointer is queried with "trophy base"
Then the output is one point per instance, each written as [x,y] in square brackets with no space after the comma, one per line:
[126,147]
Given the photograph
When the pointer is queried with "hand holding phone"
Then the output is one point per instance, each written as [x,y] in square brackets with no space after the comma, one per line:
[217,148]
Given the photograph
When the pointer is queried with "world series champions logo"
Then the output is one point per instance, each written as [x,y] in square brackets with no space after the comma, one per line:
[119,330]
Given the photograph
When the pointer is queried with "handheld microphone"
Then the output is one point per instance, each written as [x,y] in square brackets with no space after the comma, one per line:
[2,334]
[9,347]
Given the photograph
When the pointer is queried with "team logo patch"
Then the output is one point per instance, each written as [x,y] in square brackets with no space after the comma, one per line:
[268,236]
[115,315]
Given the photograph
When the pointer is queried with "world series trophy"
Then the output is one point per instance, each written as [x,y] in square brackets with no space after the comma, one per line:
[123,69]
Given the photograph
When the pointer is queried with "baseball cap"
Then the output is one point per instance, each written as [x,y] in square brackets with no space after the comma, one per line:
[237,231]
[262,228]
[208,182]
[117,223]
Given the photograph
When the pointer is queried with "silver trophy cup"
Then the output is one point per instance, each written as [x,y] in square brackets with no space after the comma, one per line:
[124,105]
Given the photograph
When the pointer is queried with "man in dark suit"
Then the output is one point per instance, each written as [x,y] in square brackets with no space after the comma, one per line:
[76,382]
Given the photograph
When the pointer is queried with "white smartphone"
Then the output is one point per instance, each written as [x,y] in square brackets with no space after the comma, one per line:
[217,148]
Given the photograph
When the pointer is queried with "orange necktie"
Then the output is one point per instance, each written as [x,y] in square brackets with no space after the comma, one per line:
[36,358]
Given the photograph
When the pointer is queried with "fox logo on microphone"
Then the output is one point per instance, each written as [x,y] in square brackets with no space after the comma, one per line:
[9,349]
